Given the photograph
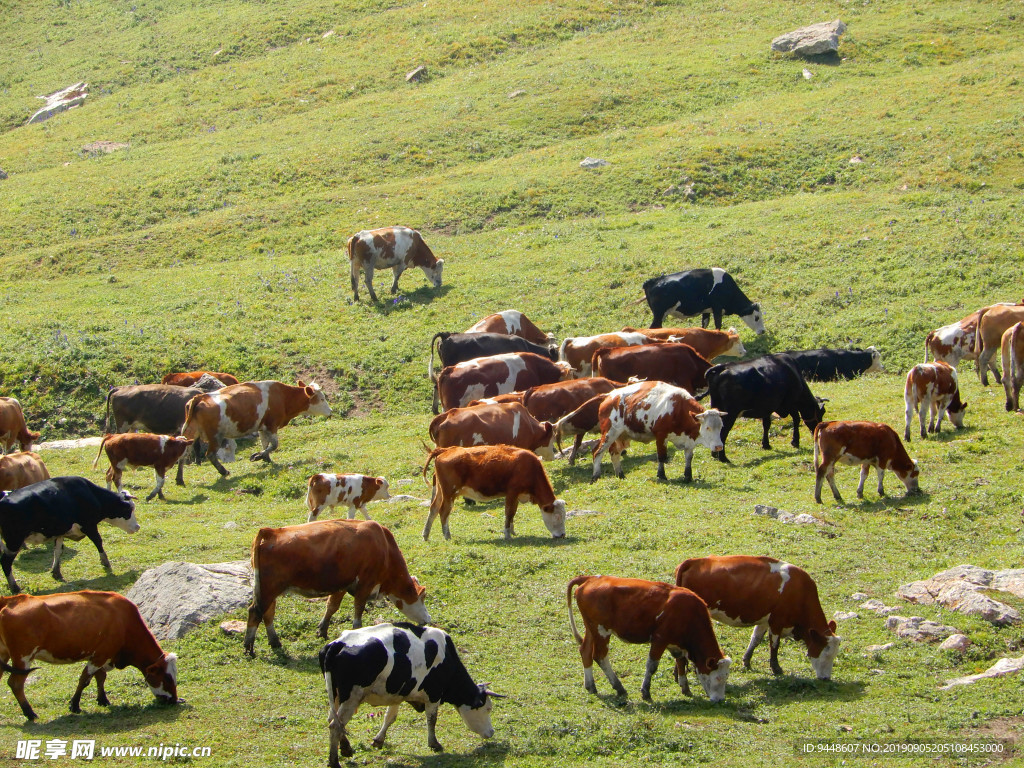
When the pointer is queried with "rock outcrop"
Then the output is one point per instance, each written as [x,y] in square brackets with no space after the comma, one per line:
[811,41]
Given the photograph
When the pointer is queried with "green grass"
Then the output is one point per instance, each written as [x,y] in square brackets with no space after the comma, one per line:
[258,146]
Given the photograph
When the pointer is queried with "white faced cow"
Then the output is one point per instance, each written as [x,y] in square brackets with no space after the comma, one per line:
[394,248]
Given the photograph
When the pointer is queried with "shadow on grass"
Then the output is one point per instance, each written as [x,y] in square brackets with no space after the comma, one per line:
[95,719]
[495,752]
[792,689]
[390,303]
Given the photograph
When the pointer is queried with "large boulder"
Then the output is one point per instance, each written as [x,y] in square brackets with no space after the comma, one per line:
[811,41]
[176,597]
[962,589]
[72,96]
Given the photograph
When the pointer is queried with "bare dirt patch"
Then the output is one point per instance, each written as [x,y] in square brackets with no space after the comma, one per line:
[1009,730]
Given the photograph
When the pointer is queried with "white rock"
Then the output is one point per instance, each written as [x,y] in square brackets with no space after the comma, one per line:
[844,615]
[62,100]
[859,596]
[856,160]
[230,525]
[877,606]
[593,162]
[786,517]
[581,512]
[918,629]
[813,40]
[961,589]
[398,497]
[879,648]
[955,643]
[416,74]
[808,74]
[1001,668]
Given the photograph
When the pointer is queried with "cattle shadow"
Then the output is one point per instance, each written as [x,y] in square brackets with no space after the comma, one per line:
[40,559]
[519,540]
[491,750]
[95,719]
[390,303]
[795,689]
[117,582]
[872,502]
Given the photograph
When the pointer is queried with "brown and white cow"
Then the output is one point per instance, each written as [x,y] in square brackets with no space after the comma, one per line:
[708,343]
[773,597]
[933,389]
[488,472]
[329,558]
[513,323]
[20,469]
[484,377]
[955,342]
[993,324]
[677,364]
[494,424]
[578,351]
[140,449]
[394,248]
[638,611]
[864,443]
[353,491]
[256,406]
[191,378]
[654,410]
[103,629]
[551,402]
[1012,345]
[12,426]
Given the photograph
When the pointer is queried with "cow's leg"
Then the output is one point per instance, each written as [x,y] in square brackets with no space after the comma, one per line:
[607,441]
[445,512]
[766,423]
[368,279]
[773,644]
[984,363]
[268,622]
[398,269]
[269,441]
[511,505]
[94,537]
[615,452]
[705,318]
[352,513]
[881,473]
[606,667]
[16,682]
[159,489]
[718,319]
[680,672]
[354,274]
[863,479]
[358,606]
[908,418]
[83,682]
[659,316]
[577,442]
[389,717]
[337,719]
[437,500]
[101,691]
[796,430]
[251,625]
[333,602]
[587,655]
[213,445]
[756,637]
[432,741]
[727,423]
[653,659]
[58,548]
[830,475]
[662,449]
[179,479]
[938,417]
[6,561]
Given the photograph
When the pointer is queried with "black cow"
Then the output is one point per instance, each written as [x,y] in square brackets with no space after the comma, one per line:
[835,364]
[460,347]
[758,388]
[703,292]
[60,508]
[394,663]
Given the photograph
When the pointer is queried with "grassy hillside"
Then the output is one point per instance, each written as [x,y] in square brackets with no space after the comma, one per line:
[261,135]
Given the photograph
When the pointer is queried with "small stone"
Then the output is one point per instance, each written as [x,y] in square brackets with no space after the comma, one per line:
[328,33]
[808,74]
[416,75]
[855,160]
[400,497]
[233,627]
[581,512]
[111,279]
[3,174]
[877,671]
[517,94]
[845,615]
[955,643]
[879,648]
[231,525]
[671,190]
[593,162]
[845,728]
[859,596]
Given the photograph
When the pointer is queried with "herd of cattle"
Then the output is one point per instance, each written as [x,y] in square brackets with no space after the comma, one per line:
[507,395]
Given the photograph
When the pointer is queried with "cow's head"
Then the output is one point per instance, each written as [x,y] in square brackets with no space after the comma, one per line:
[162,678]
[567,371]
[822,650]
[554,518]
[382,493]
[752,317]
[817,416]
[318,405]
[910,479]
[876,361]
[736,349]
[434,273]
[477,715]
[710,429]
[712,674]
[410,602]
[123,516]
[956,414]
[546,449]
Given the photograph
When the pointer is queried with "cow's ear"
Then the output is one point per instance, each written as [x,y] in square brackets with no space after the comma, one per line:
[301,383]
[832,627]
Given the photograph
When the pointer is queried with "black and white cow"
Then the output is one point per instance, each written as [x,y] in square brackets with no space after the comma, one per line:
[388,664]
[755,389]
[460,347]
[57,509]
[835,364]
[703,292]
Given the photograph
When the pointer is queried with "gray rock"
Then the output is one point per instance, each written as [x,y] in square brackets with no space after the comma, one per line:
[878,607]
[961,589]
[859,596]
[581,512]
[57,102]
[3,174]
[879,648]
[593,162]
[517,93]
[176,597]
[955,643]
[786,517]
[811,41]
[416,75]
[844,615]
[1001,668]
[918,629]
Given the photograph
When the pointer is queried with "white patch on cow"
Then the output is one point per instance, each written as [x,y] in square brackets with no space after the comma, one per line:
[473,392]
[735,621]
[513,321]
[823,664]
[163,443]
[122,464]
[403,242]
[468,492]
[713,683]
[128,524]
[516,418]
[783,570]
[34,538]
[719,275]
[478,439]
[603,632]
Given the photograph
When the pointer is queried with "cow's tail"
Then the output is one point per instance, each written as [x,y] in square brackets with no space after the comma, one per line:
[353,272]
[433,342]
[106,416]
[14,670]
[189,428]
[99,453]
[430,457]
[928,343]
[257,545]
[978,339]
[562,348]
[568,605]
[641,300]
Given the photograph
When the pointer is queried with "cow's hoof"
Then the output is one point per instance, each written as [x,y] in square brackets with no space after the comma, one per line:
[377,743]
[591,689]
[645,695]
[58,575]
[75,709]
[103,701]
[152,495]
[346,749]
[436,746]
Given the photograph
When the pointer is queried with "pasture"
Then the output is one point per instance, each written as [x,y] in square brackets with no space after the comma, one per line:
[258,145]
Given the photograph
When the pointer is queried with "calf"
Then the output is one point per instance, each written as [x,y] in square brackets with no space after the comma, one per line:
[1012,345]
[354,491]
[703,292]
[494,424]
[389,664]
[59,508]
[457,348]
[708,343]
[459,384]
[677,364]
[836,364]
[12,426]
[514,323]
[140,449]
[579,351]
[933,387]
[394,248]
[488,472]
[103,629]
[638,611]
[866,443]
[191,378]
[550,402]
[329,558]
[768,595]
[20,469]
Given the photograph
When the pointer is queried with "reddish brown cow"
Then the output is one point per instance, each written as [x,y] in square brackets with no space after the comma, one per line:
[394,248]
[932,388]
[579,351]
[708,343]
[101,628]
[354,491]
[189,378]
[20,469]
[235,411]
[677,364]
[488,472]
[513,323]
[329,558]
[12,426]
[1013,364]
[993,323]
[866,443]
[768,595]
[483,377]
[141,449]
[508,397]
[494,424]
[637,611]
[550,402]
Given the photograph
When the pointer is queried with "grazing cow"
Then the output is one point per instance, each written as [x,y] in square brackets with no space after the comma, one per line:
[866,443]
[755,389]
[488,472]
[579,351]
[140,449]
[955,342]
[993,323]
[494,424]
[703,292]
[56,509]
[103,629]
[513,323]
[12,426]
[389,664]
[459,384]
[354,491]
[708,343]
[550,402]
[677,364]
[237,410]
[654,410]
[191,378]
[768,595]
[394,248]
[20,469]
[933,388]
[329,558]
[836,364]
[637,611]
[1012,345]
[461,347]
